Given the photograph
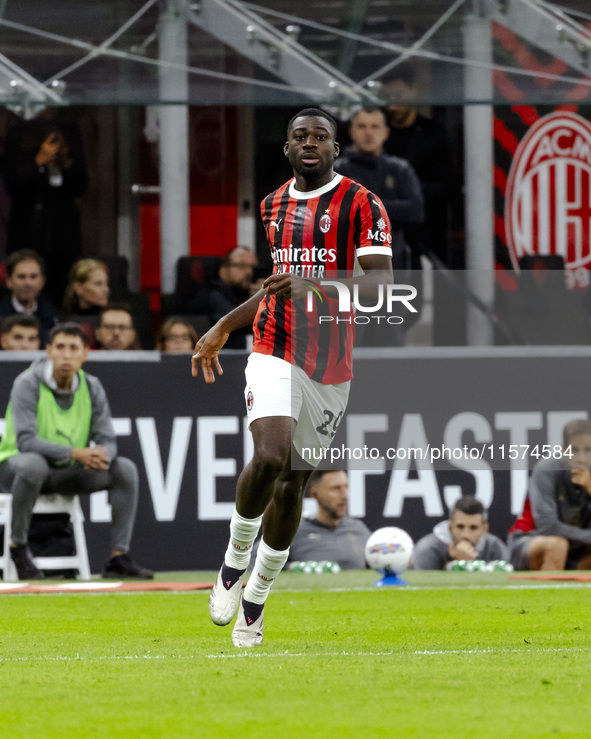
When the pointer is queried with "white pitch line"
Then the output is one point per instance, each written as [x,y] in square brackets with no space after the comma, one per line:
[288,654]
[417,653]
[530,585]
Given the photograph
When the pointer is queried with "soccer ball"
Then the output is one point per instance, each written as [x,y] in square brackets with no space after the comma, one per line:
[389,550]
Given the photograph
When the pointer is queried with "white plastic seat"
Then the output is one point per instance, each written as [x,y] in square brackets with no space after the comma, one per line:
[48,504]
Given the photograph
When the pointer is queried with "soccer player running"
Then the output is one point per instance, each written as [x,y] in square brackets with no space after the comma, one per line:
[299,372]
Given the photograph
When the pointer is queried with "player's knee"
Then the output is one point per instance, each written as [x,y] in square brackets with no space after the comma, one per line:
[31,466]
[124,473]
[556,546]
[268,462]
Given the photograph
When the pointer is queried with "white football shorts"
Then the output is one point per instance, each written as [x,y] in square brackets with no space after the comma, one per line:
[275,387]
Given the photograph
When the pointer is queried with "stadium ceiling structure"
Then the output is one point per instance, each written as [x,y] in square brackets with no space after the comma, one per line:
[276,52]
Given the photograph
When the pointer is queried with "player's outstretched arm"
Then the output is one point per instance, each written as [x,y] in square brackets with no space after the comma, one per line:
[209,345]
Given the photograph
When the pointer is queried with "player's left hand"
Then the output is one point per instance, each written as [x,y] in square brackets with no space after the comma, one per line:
[582,478]
[286,286]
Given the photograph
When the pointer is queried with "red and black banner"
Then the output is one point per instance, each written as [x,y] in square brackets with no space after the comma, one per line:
[542,161]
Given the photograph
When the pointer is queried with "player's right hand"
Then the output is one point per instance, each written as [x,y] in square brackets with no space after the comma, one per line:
[49,149]
[286,286]
[462,550]
[92,458]
[206,354]
[582,478]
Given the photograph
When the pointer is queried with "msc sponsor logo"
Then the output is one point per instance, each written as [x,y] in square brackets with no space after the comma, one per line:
[383,236]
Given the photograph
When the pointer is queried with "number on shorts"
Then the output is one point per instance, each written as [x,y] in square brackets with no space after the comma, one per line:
[330,425]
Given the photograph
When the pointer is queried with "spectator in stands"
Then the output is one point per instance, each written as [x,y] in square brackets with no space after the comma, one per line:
[233,287]
[116,331]
[464,536]
[25,279]
[392,179]
[45,171]
[20,333]
[423,142]
[554,529]
[331,535]
[177,336]
[88,290]
[53,402]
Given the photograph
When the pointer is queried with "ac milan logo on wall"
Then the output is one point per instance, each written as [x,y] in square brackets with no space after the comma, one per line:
[325,223]
[548,197]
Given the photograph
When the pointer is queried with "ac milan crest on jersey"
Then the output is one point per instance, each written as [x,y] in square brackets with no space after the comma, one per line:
[548,197]
[325,223]
[249,400]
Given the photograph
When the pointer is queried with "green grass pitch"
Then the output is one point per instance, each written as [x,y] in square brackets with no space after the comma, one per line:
[451,655]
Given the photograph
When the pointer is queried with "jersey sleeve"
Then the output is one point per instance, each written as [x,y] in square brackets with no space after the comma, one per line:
[264,211]
[373,234]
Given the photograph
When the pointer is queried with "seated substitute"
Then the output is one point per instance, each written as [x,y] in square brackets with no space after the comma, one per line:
[55,412]
[554,529]
[331,535]
[464,536]
[20,333]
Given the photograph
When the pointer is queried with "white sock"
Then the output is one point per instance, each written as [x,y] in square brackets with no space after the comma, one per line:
[267,566]
[243,532]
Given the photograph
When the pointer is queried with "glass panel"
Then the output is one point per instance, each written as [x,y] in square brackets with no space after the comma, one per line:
[256,53]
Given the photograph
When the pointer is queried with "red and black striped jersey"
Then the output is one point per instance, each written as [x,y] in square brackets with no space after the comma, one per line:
[318,234]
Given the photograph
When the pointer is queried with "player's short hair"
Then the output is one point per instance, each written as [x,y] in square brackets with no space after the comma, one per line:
[70,328]
[23,255]
[20,319]
[370,109]
[575,428]
[469,505]
[317,113]
[317,475]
